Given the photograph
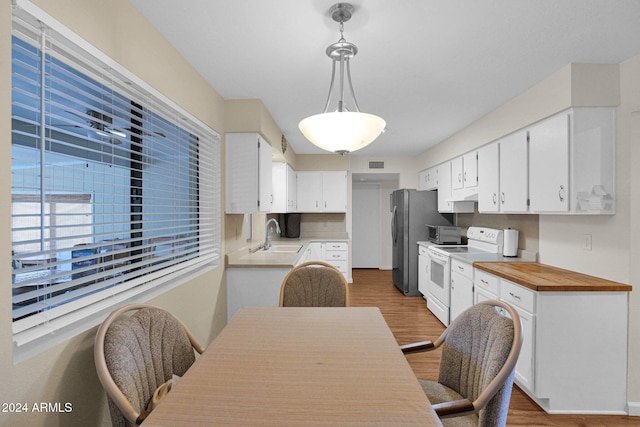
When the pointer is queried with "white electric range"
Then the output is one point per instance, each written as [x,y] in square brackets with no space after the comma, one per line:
[479,240]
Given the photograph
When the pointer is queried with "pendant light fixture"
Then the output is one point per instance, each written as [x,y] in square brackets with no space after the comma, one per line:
[341,131]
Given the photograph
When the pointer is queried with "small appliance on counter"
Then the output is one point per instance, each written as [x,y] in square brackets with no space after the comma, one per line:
[444,234]
[510,242]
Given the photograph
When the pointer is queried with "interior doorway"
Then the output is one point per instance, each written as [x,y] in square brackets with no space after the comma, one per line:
[366,225]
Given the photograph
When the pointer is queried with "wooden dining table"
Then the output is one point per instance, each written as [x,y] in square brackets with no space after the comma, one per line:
[275,366]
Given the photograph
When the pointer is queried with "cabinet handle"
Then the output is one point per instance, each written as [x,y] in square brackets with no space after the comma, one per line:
[495,198]
[465,176]
[561,193]
[316,203]
[514,296]
[459,177]
[325,203]
[502,197]
[461,268]
[484,281]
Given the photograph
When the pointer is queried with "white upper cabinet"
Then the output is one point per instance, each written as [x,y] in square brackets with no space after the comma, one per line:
[446,204]
[248,173]
[284,188]
[322,191]
[464,177]
[549,165]
[502,175]
[572,158]
[428,179]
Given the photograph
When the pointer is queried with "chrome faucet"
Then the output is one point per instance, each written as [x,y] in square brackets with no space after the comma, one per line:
[267,243]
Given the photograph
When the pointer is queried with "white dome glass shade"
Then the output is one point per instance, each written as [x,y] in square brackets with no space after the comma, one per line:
[342,132]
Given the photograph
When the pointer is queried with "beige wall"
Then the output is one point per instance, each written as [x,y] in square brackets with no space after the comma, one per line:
[66,373]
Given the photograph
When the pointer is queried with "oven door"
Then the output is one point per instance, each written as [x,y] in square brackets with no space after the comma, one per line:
[439,284]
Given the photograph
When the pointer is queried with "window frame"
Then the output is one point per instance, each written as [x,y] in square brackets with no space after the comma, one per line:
[89,312]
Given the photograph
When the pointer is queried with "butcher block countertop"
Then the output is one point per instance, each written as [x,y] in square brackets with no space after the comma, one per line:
[545,278]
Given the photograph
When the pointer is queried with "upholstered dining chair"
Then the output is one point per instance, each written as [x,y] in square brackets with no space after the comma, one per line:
[479,355]
[138,355]
[314,284]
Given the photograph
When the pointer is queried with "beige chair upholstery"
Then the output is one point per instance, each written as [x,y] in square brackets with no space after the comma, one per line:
[479,355]
[135,355]
[314,284]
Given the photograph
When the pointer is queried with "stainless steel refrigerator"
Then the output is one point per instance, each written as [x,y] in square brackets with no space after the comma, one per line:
[411,211]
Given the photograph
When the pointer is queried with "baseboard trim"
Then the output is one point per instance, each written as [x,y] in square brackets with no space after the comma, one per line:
[633,408]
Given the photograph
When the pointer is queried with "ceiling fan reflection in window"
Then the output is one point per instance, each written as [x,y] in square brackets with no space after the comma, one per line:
[103,126]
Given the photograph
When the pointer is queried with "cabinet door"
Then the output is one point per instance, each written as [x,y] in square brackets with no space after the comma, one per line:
[279,184]
[444,188]
[514,173]
[489,178]
[292,189]
[309,191]
[334,193]
[248,173]
[265,184]
[470,169]
[423,270]
[524,367]
[549,165]
[461,294]
[457,173]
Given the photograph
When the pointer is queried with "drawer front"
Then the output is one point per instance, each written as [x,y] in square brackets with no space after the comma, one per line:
[462,268]
[518,296]
[336,246]
[487,281]
[330,256]
[340,265]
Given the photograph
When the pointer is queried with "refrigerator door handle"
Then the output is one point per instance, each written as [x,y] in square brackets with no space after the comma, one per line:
[394,226]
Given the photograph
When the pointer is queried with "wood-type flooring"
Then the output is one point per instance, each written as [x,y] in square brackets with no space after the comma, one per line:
[410,321]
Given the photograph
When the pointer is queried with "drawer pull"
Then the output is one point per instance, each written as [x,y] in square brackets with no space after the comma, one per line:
[461,268]
[484,281]
[514,296]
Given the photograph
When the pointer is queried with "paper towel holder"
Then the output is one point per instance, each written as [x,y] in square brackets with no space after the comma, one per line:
[510,243]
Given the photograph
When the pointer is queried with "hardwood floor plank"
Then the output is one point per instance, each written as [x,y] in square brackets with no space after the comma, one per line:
[411,321]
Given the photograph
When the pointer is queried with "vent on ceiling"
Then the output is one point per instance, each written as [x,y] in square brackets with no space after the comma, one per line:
[376,165]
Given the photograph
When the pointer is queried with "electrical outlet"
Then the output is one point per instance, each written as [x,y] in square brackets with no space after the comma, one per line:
[586,242]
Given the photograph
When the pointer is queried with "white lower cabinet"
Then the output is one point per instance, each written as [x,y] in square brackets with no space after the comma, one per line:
[337,254]
[461,287]
[423,269]
[574,354]
[523,300]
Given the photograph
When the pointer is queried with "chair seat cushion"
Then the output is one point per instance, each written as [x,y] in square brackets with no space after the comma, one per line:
[438,393]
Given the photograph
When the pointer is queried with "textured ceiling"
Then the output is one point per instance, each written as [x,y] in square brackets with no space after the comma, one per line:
[428,67]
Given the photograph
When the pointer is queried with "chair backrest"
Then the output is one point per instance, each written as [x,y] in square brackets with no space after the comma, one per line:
[135,355]
[479,356]
[314,284]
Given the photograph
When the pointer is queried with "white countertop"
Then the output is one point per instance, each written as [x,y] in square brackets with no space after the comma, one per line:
[243,258]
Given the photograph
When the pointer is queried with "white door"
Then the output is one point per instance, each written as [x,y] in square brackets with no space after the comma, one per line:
[366,225]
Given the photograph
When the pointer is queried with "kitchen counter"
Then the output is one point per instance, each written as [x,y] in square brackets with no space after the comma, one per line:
[243,258]
[545,278]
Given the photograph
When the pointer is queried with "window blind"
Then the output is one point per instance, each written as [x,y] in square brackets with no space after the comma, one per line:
[115,190]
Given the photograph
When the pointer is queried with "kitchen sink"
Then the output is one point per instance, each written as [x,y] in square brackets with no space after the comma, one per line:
[283,249]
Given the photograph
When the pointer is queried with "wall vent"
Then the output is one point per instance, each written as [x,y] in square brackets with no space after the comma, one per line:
[376,165]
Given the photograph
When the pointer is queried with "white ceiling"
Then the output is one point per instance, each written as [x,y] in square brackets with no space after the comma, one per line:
[428,67]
